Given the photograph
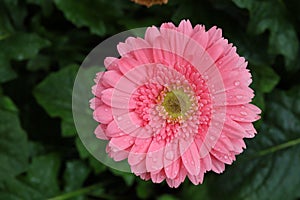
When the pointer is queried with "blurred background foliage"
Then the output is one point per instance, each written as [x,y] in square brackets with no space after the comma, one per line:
[42,44]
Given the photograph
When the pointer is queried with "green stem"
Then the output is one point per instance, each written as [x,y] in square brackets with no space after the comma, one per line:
[77,192]
[279,147]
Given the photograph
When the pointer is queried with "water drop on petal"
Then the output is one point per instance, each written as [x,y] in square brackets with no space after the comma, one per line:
[236,83]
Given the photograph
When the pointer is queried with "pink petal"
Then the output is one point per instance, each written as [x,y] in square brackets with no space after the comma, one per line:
[95,102]
[243,113]
[217,165]
[206,162]
[154,158]
[122,142]
[113,129]
[216,50]
[111,78]
[174,183]
[190,156]
[151,34]
[158,177]
[214,35]
[185,27]
[103,114]
[139,151]
[117,99]
[111,63]
[99,132]
[249,128]
[239,96]
[232,129]
[196,179]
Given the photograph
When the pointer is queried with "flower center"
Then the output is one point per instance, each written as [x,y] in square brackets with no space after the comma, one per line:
[176,103]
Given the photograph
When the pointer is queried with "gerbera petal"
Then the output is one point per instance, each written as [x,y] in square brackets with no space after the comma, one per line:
[122,142]
[99,132]
[196,179]
[111,78]
[139,151]
[190,156]
[117,99]
[110,63]
[151,34]
[214,35]
[179,178]
[185,27]
[154,158]
[158,177]
[103,114]
[217,165]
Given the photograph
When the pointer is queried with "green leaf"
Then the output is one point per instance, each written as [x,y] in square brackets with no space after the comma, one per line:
[81,14]
[6,73]
[17,46]
[264,79]
[98,15]
[269,168]
[75,174]
[14,189]
[43,172]
[5,26]
[272,15]
[17,12]
[39,62]
[167,197]
[13,141]
[54,94]
[144,189]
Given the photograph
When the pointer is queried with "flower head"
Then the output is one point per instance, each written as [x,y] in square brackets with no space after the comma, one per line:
[175,104]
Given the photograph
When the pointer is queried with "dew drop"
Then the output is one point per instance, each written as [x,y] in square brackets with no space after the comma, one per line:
[239,96]
[105,109]
[212,137]
[243,113]
[154,159]
[226,157]
[193,163]
[119,118]
[236,83]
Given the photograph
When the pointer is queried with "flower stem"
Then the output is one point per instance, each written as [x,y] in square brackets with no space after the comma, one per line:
[77,192]
[279,147]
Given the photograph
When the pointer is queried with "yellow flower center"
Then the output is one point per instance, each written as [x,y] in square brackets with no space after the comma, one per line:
[176,103]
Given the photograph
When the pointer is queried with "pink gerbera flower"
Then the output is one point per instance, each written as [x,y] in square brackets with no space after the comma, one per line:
[175,104]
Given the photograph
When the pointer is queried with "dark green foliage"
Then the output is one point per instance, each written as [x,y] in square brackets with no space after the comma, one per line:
[43,43]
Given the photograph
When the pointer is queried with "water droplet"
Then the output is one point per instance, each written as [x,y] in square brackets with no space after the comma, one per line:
[239,96]
[154,159]
[226,157]
[236,83]
[192,162]
[130,141]
[243,113]
[105,109]
[119,118]
[212,137]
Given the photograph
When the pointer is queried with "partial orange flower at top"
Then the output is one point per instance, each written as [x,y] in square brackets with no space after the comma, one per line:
[149,3]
